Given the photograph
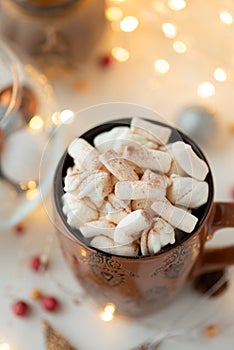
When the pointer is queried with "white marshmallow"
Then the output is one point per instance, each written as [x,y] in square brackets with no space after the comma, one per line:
[159,235]
[117,138]
[187,192]
[154,132]
[147,158]
[96,185]
[189,161]
[138,190]
[78,211]
[99,227]
[73,179]
[85,156]
[129,229]
[165,231]
[113,211]
[119,204]
[143,204]
[21,155]
[108,245]
[144,242]
[177,217]
[118,166]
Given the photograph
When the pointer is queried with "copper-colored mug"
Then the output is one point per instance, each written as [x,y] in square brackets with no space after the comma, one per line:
[144,284]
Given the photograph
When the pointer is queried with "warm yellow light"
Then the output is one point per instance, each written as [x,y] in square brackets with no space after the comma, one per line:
[109,308]
[179,47]
[169,30]
[226,17]
[220,74]
[56,118]
[177,5]
[206,89]
[114,13]
[129,24]
[108,312]
[120,54]
[36,123]
[31,194]
[161,66]
[83,252]
[5,346]
[67,116]
[116,0]
[31,185]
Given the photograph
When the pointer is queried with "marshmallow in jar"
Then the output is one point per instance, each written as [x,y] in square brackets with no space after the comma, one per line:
[53,27]
[21,155]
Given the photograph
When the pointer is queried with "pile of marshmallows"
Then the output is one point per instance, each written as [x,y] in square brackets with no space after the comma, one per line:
[129,193]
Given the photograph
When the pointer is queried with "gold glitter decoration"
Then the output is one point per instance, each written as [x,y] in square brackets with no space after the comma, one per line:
[54,340]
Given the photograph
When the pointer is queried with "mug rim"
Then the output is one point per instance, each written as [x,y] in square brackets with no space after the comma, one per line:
[106,126]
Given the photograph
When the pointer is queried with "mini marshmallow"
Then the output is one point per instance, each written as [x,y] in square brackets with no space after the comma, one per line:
[78,211]
[85,156]
[96,185]
[165,231]
[157,133]
[144,242]
[119,137]
[116,216]
[189,161]
[156,179]
[106,140]
[143,204]
[108,245]
[138,190]
[129,229]
[73,179]
[118,166]
[187,192]
[153,241]
[147,158]
[21,155]
[159,235]
[175,169]
[114,212]
[98,227]
[177,217]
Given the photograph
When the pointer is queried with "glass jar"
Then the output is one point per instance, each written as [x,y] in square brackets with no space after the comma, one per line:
[56,30]
[27,105]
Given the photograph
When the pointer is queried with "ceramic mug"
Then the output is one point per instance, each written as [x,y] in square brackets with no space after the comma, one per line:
[144,284]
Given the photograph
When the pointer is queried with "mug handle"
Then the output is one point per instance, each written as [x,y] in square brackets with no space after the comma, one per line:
[216,259]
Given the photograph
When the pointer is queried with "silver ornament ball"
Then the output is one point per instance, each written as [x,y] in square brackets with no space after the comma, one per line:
[197,122]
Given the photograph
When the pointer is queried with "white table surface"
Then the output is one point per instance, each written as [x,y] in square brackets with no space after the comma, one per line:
[134,81]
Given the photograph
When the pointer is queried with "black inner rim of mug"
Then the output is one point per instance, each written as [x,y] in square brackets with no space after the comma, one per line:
[45,9]
[66,161]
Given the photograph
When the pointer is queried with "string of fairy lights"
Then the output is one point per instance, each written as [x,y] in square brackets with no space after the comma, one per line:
[127,24]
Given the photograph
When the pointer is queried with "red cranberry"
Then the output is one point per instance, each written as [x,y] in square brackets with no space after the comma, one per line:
[50,303]
[35,263]
[19,228]
[106,60]
[20,308]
